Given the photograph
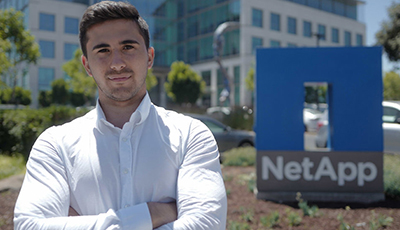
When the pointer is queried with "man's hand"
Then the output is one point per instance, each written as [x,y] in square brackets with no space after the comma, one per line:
[162,213]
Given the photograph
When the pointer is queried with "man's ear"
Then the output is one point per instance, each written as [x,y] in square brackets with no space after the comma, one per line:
[86,65]
[151,54]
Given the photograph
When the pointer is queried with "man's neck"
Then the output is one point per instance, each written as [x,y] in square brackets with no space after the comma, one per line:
[117,112]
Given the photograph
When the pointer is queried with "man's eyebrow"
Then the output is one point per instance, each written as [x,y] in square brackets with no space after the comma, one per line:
[102,45]
[128,42]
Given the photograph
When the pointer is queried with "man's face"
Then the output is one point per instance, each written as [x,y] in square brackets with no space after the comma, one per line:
[118,60]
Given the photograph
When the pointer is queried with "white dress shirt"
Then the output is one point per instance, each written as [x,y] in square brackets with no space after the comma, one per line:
[107,174]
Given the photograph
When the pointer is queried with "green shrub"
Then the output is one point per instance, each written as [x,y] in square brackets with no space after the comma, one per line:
[20,128]
[234,225]
[270,221]
[294,219]
[307,210]
[244,156]
[240,118]
[391,176]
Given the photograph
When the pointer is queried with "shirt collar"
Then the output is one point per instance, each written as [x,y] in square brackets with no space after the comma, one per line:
[139,116]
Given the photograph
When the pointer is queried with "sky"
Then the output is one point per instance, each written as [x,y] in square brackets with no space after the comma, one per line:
[375,12]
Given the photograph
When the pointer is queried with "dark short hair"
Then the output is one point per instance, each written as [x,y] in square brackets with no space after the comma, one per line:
[109,10]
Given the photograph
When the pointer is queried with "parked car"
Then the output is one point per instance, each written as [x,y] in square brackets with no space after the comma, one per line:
[310,119]
[390,125]
[226,137]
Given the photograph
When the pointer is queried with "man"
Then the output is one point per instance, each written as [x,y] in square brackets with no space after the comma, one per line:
[127,164]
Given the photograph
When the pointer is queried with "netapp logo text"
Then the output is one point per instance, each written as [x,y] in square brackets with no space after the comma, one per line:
[293,170]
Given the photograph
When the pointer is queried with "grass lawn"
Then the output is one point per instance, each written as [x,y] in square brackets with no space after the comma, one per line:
[11,165]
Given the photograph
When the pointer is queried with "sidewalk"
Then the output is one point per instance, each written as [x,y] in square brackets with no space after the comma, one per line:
[12,183]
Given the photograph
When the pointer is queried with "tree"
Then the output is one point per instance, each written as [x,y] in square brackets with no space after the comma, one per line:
[151,80]
[389,34]
[17,45]
[249,80]
[21,96]
[80,82]
[391,86]
[59,92]
[45,98]
[184,85]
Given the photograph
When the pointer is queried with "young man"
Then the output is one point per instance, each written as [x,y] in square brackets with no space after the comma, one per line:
[127,164]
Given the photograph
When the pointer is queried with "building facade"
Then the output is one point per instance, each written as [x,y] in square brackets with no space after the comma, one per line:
[184,29]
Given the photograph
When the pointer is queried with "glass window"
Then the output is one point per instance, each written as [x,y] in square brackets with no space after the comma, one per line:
[46,22]
[207,22]
[206,75]
[192,51]
[390,115]
[181,52]
[71,25]
[257,18]
[292,45]
[46,77]
[69,50]
[351,10]
[327,5]
[360,41]
[313,3]
[222,14]
[47,49]
[180,31]
[335,35]
[232,42]
[234,11]
[255,43]
[307,31]
[322,32]
[275,22]
[206,51]
[338,7]
[192,26]
[292,25]
[275,44]
[347,38]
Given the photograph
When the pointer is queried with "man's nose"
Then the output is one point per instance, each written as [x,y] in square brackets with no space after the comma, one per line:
[117,62]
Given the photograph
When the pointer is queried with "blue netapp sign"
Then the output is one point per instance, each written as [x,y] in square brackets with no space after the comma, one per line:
[354,79]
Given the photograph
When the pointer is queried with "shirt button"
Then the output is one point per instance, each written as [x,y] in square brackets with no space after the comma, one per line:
[126,171]
[124,139]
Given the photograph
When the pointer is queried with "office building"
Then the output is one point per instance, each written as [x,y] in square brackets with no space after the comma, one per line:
[184,30]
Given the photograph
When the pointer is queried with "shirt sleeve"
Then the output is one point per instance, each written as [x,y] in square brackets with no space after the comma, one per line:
[44,199]
[201,195]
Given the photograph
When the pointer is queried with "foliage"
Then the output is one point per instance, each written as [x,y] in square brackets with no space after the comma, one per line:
[388,35]
[270,221]
[294,219]
[343,225]
[380,222]
[81,84]
[21,96]
[240,118]
[45,98]
[184,85]
[11,165]
[247,215]
[391,86]
[307,210]
[244,156]
[59,92]
[234,225]
[151,80]
[20,128]
[315,94]
[17,44]
[391,175]
[249,80]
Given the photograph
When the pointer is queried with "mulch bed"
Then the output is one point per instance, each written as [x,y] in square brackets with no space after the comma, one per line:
[245,211]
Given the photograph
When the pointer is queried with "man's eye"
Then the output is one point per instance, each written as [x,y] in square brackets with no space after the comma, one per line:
[103,51]
[128,47]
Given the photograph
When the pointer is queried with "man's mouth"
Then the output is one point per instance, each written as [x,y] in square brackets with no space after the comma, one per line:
[119,78]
